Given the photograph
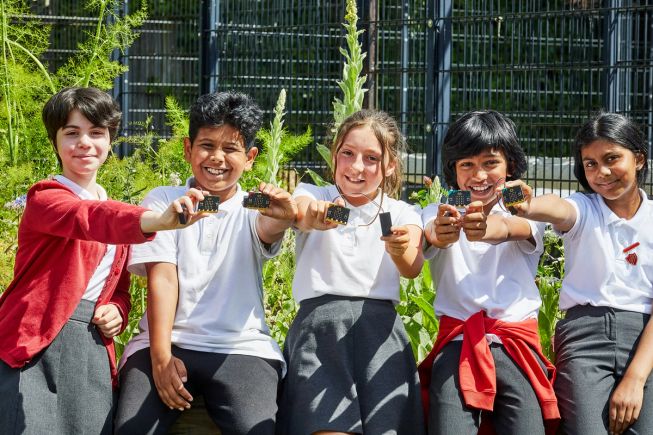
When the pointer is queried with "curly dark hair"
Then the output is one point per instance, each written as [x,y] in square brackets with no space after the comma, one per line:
[475,132]
[219,108]
[97,106]
[614,128]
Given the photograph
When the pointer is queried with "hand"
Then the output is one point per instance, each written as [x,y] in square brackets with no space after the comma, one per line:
[108,320]
[625,404]
[445,228]
[169,375]
[169,219]
[398,242]
[282,206]
[522,209]
[316,214]
[474,223]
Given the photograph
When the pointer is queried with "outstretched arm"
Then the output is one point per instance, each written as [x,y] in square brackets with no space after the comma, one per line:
[272,222]
[546,208]
[627,398]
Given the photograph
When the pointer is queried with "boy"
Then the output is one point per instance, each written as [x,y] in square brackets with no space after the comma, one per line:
[205,330]
[70,292]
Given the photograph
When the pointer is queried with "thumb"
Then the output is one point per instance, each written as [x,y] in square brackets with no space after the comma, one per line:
[340,202]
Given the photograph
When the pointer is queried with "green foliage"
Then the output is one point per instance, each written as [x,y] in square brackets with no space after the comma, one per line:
[280,307]
[549,278]
[91,65]
[278,145]
[352,82]
[431,194]
[416,311]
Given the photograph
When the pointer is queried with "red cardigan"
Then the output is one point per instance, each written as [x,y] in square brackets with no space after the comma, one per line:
[61,241]
[477,372]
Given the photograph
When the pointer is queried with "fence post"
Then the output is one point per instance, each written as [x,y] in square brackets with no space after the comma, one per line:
[438,83]
[209,23]
[616,81]
[120,91]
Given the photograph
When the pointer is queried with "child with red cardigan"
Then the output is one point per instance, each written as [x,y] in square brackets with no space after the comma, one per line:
[70,292]
[487,357]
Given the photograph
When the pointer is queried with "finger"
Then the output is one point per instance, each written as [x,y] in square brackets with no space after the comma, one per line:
[195,194]
[339,201]
[183,377]
[628,418]
[474,207]
[612,418]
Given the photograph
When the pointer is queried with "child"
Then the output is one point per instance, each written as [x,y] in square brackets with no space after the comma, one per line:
[487,355]
[350,365]
[70,292]
[604,346]
[205,332]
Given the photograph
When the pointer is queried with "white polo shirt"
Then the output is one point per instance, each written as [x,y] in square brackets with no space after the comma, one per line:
[219,261]
[596,270]
[474,276]
[99,278]
[349,260]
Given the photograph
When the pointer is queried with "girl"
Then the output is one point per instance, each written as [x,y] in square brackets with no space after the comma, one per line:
[350,365]
[604,346]
[70,292]
[487,355]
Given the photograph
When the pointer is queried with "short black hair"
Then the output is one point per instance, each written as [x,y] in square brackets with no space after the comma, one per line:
[614,128]
[97,106]
[219,108]
[475,132]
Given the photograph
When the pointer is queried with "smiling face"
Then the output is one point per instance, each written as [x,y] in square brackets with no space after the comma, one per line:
[611,171]
[218,158]
[82,148]
[482,174]
[358,165]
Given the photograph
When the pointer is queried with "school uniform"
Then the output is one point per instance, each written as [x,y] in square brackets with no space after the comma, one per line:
[350,363]
[219,330]
[57,369]
[487,356]
[607,295]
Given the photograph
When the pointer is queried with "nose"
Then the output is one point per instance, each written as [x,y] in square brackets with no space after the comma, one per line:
[604,170]
[217,155]
[357,164]
[480,175]
[84,141]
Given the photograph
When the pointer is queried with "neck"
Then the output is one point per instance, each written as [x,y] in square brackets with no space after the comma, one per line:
[88,183]
[625,207]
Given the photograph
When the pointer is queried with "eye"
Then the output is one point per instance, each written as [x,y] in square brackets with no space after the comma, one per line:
[70,133]
[346,153]
[373,158]
[464,165]
[589,164]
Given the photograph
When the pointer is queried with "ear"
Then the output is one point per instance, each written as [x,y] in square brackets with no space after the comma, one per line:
[251,155]
[187,149]
[639,161]
[390,168]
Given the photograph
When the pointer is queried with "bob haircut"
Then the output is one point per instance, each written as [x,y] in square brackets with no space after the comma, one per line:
[614,128]
[97,106]
[219,108]
[475,132]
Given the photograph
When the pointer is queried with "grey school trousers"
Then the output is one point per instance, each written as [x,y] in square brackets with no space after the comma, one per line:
[66,389]
[594,346]
[240,393]
[516,409]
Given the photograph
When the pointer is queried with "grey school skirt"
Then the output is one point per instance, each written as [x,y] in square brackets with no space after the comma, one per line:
[350,369]
[66,389]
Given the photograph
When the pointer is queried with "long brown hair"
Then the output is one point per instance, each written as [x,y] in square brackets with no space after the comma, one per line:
[392,142]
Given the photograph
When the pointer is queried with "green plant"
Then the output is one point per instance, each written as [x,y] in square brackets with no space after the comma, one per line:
[352,83]
[549,279]
[92,64]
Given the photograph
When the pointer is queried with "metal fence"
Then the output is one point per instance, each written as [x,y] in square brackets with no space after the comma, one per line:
[547,65]
[163,61]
